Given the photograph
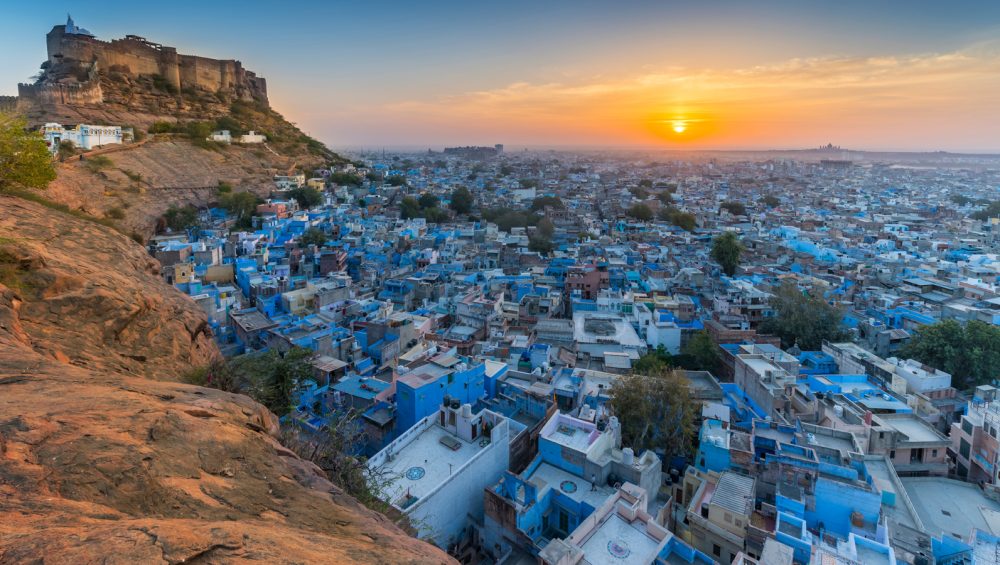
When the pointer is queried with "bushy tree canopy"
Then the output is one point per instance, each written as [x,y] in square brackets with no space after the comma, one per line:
[461,200]
[655,411]
[804,319]
[640,212]
[726,251]
[970,353]
[24,158]
[306,196]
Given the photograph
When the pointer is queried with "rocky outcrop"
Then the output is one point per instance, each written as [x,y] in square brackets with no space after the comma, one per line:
[103,459]
[143,181]
[93,298]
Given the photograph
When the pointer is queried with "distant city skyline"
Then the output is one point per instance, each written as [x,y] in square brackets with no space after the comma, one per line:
[897,76]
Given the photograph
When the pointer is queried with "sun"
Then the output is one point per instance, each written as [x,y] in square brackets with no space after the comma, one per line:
[679,127]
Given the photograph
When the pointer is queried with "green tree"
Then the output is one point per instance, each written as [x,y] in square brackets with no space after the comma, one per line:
[230,123]
[181,218]
[640,212]
[540,244]
[992,210]
[665,197]
[313,236]
[804,319]
[507,219]
[683,220]
[726,251]
[273,378]
[770,200]
[461,200]
[306,196]
[428,200]
[653,362]
[345,179]
[655,412]
[242,205]
[66,149]
[25,160]
[543,201]
[646,183]
[396,180]
[409,208]
[970,353]
[435,215]
[545,228]
[734,208]
[702,352]
[960,199]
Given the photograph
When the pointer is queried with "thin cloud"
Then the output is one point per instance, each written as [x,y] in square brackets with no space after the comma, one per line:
[883,100]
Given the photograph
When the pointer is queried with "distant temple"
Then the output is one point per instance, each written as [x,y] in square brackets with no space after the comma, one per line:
[72,29]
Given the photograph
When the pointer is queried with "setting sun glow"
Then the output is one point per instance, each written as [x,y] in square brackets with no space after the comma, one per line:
[679,127]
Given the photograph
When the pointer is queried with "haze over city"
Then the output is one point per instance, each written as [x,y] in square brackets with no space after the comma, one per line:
[500,283]
[913,76]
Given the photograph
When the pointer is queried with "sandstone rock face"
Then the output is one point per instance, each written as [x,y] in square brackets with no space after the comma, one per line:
[169,173]
[92,297]
[102,459]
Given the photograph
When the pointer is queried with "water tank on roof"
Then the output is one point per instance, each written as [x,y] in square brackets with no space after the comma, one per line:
[467,411]
[628,456]
[447,400]
[455,403]
[839,411]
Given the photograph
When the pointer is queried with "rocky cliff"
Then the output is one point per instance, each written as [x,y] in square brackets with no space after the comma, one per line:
[103,458]
[144,180]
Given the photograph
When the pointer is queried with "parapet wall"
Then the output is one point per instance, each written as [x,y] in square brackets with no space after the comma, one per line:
[81,93]
[8,103]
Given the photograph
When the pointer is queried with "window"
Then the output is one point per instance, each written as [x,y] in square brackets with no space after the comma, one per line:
[739,523]
[728,518]
[716,550]
[964,449]
[934,453]
[892,454]
[967,426]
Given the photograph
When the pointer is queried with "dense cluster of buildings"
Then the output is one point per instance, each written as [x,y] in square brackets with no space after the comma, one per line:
[480,368]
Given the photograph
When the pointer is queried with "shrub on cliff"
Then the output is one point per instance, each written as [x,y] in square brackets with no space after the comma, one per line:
[24,158]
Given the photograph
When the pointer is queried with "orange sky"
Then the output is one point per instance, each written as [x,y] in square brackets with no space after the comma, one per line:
[801,102]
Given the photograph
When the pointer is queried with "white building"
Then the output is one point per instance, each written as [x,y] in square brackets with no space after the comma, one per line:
[919,378]
[221,136]
[84,136]
[439,468]
[252,137]
[288,182]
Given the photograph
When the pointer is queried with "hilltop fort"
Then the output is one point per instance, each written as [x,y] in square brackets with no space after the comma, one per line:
[82,72]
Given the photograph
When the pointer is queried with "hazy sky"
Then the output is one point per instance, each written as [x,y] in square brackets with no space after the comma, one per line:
[704,73]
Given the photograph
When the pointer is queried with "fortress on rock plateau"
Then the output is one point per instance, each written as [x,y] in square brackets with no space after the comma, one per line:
[76,61]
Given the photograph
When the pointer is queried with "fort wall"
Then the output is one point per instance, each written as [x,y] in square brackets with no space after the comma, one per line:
[8,103]
[135,56]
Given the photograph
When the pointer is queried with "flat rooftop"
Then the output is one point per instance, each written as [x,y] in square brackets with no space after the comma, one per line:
[882,479]
[424,463]
[951,508]
[547,477]
[915,429]
[570,432]
[617,541]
